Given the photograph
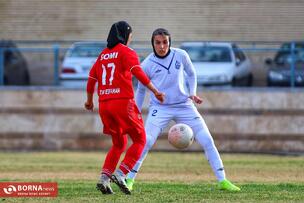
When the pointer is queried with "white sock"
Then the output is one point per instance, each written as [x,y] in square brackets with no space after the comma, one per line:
[104,178]
[120,173]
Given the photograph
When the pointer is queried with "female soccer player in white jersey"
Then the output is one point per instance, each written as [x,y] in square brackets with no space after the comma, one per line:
[168,69]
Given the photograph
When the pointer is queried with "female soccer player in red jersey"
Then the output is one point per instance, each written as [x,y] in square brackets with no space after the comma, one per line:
[120,116]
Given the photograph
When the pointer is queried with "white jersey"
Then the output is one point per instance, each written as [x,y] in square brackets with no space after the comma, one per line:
[170,76]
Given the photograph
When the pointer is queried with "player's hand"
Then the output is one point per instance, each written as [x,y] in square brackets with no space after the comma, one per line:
[196,99]
[160,96]
[89,105]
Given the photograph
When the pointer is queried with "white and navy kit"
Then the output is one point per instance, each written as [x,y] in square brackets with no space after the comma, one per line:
[168,75]
[175,76]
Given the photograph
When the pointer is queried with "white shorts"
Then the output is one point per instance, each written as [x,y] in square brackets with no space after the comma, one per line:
[160,115]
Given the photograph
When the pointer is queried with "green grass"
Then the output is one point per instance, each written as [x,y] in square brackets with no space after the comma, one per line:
[165,177]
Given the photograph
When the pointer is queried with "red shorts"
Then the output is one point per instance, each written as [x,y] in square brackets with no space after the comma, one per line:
[120,116]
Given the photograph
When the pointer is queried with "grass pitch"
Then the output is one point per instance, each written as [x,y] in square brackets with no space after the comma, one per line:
[165,177]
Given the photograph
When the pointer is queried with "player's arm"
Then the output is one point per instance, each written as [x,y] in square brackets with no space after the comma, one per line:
[92,79]
[191,78]
[141,89]
[143,79]
[140,95]
[159,95]
[89,105]
[131,59]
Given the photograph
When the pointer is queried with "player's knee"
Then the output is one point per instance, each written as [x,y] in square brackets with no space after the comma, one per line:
[204,139]
[153,132]
[141,142]
[121,147]
[150,142]
[141,138]
[208,143]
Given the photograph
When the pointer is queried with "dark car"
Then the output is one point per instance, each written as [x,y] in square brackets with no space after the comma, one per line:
[279,68]
[15,66]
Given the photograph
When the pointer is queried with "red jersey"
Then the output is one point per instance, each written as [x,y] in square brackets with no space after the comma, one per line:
[112,70]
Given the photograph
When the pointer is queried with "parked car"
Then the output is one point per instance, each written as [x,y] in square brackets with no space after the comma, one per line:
[78,61]
[15,67]
[219,63]
[279,68]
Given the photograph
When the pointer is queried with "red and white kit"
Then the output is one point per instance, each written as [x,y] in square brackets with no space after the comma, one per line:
[113,71]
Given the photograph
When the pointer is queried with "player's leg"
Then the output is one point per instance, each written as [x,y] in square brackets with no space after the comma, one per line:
[204,138]
[152,133]
[190,116]
[158,118]
[131,123]
[113,156]
[119,143]
[113,125]
[110,163]
[116,152]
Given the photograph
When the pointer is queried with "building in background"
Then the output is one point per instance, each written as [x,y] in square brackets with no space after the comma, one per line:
[210,20]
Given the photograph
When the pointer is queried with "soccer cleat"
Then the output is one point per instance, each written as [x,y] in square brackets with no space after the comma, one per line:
[227,185]
[120,181]
[130,182]
[104,187]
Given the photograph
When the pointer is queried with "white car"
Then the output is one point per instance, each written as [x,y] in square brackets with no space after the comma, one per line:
[78,61]
[219,63]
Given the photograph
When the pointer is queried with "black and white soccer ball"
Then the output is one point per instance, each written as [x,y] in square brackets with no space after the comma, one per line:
[180,136]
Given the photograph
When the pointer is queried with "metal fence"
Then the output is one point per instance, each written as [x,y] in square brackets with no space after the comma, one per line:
[54,51]
[50,55]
